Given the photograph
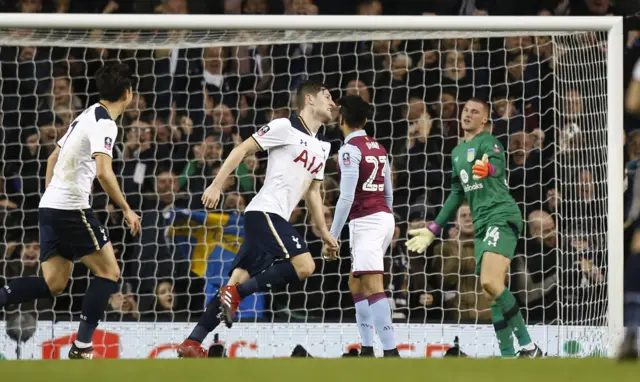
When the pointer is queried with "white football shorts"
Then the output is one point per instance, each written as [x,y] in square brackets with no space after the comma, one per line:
[369,239]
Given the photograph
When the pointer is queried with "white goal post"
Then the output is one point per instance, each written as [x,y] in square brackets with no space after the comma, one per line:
[73,30]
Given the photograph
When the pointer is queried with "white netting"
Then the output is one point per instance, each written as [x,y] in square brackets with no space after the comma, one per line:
[198,94]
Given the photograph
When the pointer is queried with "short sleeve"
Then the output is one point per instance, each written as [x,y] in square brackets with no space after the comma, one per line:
[349,159]
[274,134]
[103,138]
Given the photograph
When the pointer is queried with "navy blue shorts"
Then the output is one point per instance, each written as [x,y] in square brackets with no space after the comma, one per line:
[267,238]
[70,233]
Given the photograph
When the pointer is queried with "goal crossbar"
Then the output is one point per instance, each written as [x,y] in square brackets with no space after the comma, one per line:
[528,24]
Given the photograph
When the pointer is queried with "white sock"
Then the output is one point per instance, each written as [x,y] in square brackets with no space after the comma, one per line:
[82,345]
[364,320]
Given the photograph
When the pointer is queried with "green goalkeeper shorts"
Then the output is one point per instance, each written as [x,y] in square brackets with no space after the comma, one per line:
[501,238]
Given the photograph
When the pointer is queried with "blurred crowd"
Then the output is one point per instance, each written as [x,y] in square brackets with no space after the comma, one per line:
[192,106]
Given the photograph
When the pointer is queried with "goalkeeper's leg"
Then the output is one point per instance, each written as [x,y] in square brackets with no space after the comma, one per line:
[209,321]
[364,316]
[492,276]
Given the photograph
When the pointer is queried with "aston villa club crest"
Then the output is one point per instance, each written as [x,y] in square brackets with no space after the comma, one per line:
[108,143]
[471,154]
[263,130]
[346,159]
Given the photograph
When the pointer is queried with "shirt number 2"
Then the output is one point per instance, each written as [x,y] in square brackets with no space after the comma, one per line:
[368,185]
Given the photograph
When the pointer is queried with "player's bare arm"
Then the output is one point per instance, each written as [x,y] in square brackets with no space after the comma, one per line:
[109,183]
[211,195]
[314,202]
[51,164]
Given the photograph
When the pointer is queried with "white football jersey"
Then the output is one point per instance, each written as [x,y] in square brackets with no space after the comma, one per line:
[92,133]
[296,158]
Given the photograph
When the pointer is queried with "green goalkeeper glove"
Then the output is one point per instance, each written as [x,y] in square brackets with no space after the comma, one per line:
[423,237]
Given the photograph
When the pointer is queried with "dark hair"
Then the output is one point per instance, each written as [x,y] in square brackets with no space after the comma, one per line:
[482,102]
[354,110]
[112,81]
[305,88]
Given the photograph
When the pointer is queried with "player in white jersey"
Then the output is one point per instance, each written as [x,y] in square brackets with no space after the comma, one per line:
[273,253]
[68,228]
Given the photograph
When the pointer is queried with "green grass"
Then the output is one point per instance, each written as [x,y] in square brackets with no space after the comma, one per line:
[322,370]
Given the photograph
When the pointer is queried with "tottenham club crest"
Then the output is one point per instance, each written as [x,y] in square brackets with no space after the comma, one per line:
[108,143]
[471,154]
[346,159]
[263,130]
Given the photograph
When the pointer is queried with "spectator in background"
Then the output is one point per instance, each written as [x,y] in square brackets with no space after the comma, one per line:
[234,204]
[165,300]
[454,267]
[424,78]
[63,101]
[357,87]
[534,275]
[507,119]
[397,277]
[199,171]
[123,305]
[456,77]
[30,6]
[425,300]
[23,259]
[525,178]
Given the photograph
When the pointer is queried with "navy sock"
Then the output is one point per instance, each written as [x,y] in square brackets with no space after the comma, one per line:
[279,274]
[24,289]
[208,321]
[93,306]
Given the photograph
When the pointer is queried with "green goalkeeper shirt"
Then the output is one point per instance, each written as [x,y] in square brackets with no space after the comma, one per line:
[489,198]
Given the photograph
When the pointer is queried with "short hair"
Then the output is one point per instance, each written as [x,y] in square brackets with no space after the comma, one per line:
[482,102]
[354,110]
[113,81]
[305,88]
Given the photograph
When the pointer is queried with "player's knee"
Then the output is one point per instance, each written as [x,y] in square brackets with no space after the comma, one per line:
[490,287]
[56,284]
[110,272]
[305,266]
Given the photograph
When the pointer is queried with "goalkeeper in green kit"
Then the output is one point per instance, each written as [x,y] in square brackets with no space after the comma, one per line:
[479,176]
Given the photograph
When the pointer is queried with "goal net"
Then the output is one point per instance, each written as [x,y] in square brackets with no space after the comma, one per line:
[199,92]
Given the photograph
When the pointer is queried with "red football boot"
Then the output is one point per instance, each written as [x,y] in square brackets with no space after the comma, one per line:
[229,301]
[191,349]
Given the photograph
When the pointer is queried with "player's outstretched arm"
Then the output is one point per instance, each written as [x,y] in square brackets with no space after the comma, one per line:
[315,205]
[211,195]
[51,163]
[422,238]
[109,183]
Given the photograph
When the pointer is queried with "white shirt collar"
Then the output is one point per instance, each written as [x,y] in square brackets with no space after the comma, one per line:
[357,133]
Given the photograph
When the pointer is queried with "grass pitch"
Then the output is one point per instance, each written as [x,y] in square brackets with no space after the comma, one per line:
[322,370]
